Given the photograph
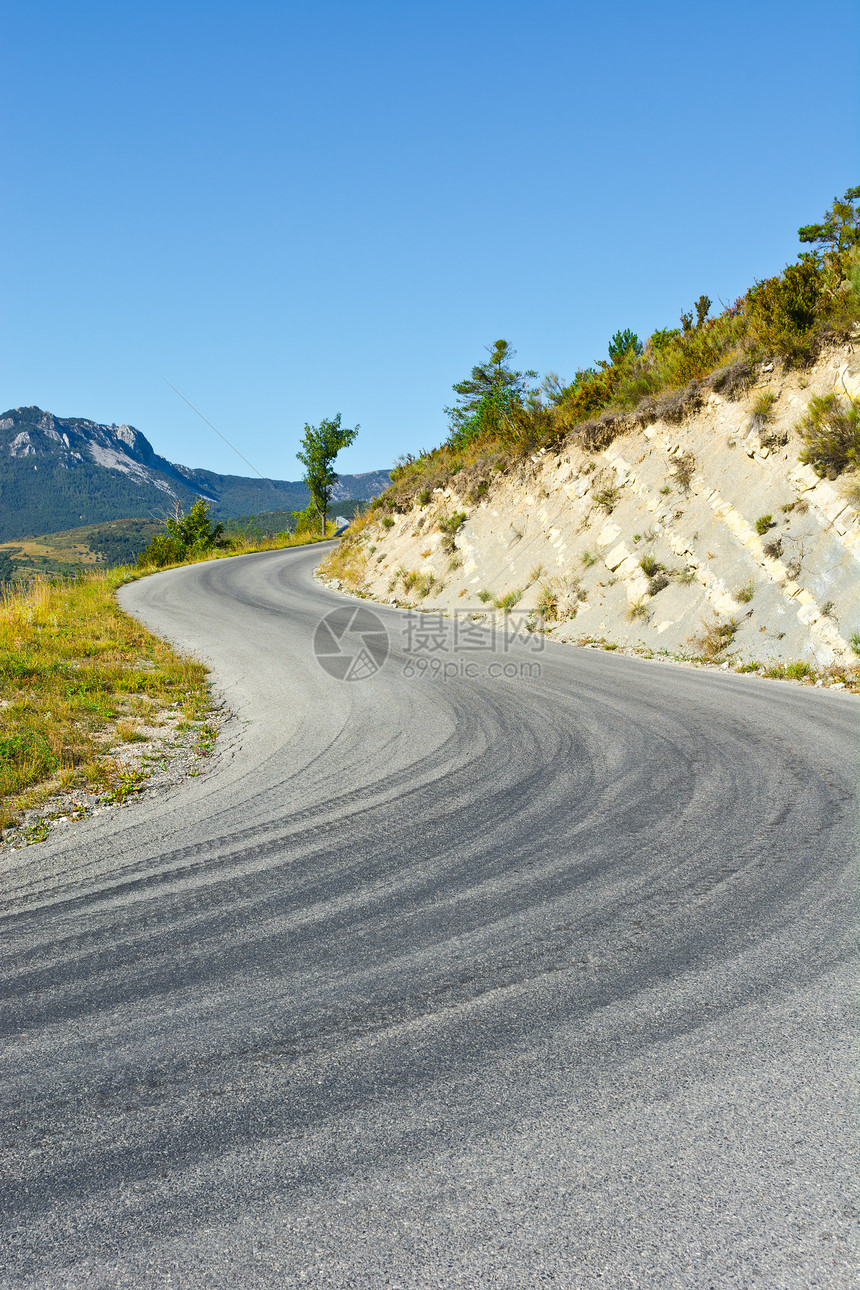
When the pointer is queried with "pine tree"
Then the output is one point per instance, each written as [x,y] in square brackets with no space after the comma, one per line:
[485,397]
[840,229]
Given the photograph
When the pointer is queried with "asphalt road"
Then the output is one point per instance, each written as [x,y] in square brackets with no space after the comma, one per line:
[475,980]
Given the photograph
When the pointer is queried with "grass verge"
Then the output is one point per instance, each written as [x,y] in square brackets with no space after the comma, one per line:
[78,678]
[80,681]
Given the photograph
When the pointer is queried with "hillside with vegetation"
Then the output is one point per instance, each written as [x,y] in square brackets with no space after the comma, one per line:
[500,413]
[690,495]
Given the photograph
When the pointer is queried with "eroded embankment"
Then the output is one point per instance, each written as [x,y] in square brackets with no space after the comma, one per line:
[702,539]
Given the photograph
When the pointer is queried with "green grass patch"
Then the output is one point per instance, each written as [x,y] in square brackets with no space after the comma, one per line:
[796,671]
[73,669]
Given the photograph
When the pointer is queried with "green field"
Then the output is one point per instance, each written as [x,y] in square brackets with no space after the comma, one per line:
[63,554]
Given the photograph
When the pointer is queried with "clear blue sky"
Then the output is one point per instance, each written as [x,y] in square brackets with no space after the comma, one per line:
[291,210]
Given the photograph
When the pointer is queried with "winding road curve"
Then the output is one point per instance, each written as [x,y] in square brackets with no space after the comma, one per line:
[433,982]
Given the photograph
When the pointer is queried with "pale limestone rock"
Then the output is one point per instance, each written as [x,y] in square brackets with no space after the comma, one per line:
[608,533]
[808,613]
[637,589]
[616,557]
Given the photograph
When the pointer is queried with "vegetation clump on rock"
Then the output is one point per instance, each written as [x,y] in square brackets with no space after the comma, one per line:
[831,435]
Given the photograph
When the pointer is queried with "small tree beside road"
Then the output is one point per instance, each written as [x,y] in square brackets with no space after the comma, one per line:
[320,446]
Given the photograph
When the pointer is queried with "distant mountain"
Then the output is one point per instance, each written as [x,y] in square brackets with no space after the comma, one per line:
[59,472]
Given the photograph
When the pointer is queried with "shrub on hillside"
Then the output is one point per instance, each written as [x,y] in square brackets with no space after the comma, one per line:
[589,392]
[306,521]
[184,535]
[831,435]
[732,380]
[782,311]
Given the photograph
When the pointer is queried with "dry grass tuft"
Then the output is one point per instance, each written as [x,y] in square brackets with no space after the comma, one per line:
[348,561]
[731,381]
[716,637]
[679,404]
[683,470]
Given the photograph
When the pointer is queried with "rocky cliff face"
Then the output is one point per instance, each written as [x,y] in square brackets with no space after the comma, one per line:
[706,538]
[30,432]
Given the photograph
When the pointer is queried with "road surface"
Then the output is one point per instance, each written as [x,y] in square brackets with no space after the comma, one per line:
[442,980]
